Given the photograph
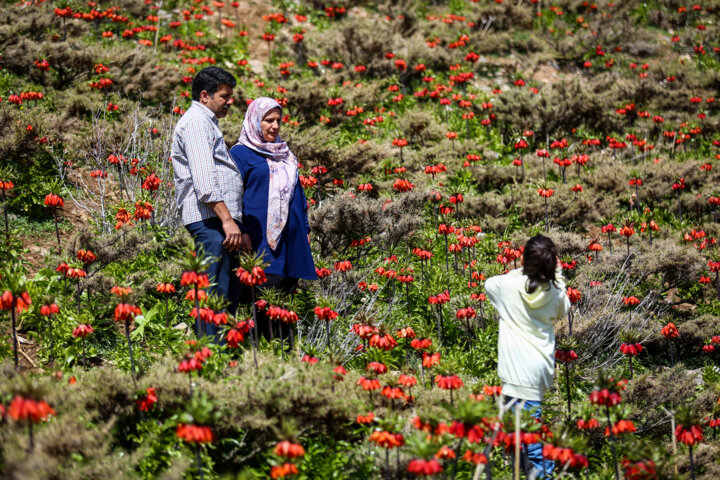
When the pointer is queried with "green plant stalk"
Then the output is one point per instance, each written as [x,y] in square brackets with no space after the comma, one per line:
[31,444]
[327,333]
[438,310]
[14,333]
[672,353]
[631,365]
[547,227]
[612,443]
[167,312]
[132,360]
[52,340]
[5,212]
[628,245]
[609,242]
[567,389]
[255,343]
[387,463]
[692,463]
[57,230]
[199,461]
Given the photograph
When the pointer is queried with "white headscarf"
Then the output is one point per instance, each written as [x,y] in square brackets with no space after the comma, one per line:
[281,161]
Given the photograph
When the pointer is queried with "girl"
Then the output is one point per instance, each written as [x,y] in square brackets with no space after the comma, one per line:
[528,300]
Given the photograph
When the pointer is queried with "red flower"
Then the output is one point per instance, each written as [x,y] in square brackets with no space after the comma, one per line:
[574,295]
[125,312]
[419,466]
[194,433]
[565,356]
[631,348]
[146,402]
[605,397]
[47,310]
[54,201]
[377,368]
[448,382]
[386,439]
[362,419]
[283,470]
[289,450]
[253,278]
[670,331]
[687,435]
[166,288]
[82,331]
[383,342]
[430,360]
[194,279]
[29,410]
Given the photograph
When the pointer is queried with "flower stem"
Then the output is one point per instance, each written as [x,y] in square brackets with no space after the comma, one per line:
[199,461]
[692,463]
[612,442]
[255,326]
[14,333]
[567,388]
[132,360]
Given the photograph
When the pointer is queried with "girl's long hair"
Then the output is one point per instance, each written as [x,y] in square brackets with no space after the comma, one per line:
[539,262]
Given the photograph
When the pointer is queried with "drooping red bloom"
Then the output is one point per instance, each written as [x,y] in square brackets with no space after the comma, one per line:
[583,424]
[670,331]
[574,295]
[631,348]
[430,360]
[565,356]
[386,439]
[29,410]
[86,256]
[194,279]
[166,288]
[407,380]
[448,382]
[289,450]
[325,313]
[605,397]
[125,312]
[369,383]
[82,331]
[280,471]
[475,458]
[194,433]
[253,278]
[54,201]
[383,342]
[419,466]
[689,435]
[377,367]
[362,419]
[146,402]
[51,309]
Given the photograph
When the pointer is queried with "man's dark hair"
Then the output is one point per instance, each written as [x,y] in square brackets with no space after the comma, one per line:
[539,262]
[210,79]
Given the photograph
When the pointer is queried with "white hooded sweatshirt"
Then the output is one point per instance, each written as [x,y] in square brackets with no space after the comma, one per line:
[526,341]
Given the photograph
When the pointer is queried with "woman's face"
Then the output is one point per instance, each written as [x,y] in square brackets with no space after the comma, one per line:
[270,125]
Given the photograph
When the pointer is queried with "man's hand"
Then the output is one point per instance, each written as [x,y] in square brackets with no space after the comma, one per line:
[245,243]
[309,241]
[233,237]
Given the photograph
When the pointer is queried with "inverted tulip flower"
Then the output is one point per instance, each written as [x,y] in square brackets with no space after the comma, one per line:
[251,273]
[15,298]
[29,410]
[54,201]
[670,331]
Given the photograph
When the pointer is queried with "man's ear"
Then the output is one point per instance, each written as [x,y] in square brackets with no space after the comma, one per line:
[204,96]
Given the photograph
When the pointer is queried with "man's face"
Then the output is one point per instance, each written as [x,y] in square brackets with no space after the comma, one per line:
[219,102]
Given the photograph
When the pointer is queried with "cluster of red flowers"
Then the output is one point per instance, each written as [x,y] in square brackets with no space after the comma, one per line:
[440,298]
[325,313]
[631,348]
[194,279]
[420,466]
[565,356]
[194,360]
[194,433]
[565,456]
[124,312]
[208,315]
[29,410]
[146,402]
[82,331]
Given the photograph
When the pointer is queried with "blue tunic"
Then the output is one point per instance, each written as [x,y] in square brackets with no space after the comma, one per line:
[293,257]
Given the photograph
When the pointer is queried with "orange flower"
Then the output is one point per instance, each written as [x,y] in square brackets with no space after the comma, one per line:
[194,433]
[29,410]
[289,450]
[386,439]
[283,470]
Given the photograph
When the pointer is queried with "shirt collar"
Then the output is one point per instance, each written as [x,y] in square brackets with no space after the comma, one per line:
[205,111]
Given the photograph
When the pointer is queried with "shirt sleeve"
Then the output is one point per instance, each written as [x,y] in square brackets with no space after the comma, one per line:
[564,307]
[199,143]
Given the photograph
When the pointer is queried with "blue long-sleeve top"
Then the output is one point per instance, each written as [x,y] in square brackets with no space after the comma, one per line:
[292,258]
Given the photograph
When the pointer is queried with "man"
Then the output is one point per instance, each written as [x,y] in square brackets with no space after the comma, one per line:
[208,184]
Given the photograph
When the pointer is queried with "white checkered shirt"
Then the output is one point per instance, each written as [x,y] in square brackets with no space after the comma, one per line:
[204,171]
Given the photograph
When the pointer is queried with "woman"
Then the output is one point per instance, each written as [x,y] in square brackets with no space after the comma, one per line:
[274,203]
[528,300]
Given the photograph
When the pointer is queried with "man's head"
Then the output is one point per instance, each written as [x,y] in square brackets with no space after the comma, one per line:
[213,87]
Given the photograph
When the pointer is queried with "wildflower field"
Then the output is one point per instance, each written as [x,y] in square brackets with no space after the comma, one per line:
[435,137]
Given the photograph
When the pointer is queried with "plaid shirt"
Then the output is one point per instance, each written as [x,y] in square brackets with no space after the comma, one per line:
[204,172]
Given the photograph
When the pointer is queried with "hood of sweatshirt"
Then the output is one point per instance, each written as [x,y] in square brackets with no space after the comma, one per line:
[542,295]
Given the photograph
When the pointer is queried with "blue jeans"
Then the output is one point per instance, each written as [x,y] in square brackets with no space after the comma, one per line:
[533,452]
[210,234]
